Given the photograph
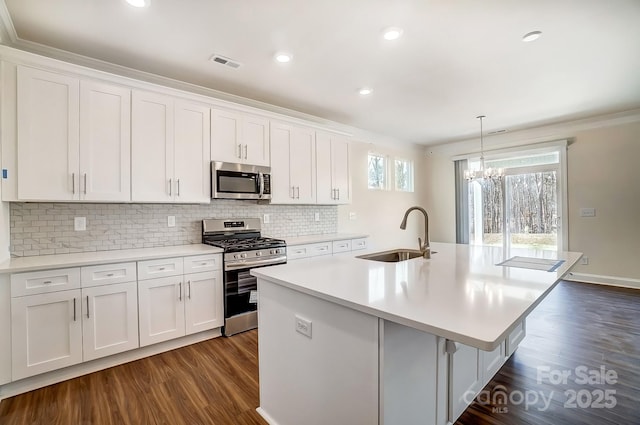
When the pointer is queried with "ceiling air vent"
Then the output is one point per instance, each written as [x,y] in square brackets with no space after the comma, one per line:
[496,132]
[225,61]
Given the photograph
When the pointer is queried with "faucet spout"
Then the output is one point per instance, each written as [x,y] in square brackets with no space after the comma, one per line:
[424,246]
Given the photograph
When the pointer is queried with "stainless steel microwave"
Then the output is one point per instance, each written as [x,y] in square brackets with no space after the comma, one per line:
[240,181]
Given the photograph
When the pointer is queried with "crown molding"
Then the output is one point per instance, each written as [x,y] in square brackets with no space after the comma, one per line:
[534,135]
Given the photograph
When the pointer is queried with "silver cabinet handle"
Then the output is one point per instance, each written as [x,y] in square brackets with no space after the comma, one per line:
[178,183]
[87,306]
[338,190]
[46,282]
[85,183]
[245,151]
[180,291]
[161,268]
[109,274]
[239,151]
[170,183]
[189,286]
[73,182]
[74,309]
[298,191]
[293,192]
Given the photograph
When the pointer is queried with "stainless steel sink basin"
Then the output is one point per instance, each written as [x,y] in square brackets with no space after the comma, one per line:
[393,256]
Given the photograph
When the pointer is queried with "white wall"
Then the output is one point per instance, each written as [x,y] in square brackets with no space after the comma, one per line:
[379,212]
[602,174]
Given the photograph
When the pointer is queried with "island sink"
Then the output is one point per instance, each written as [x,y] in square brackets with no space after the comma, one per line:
[393,256]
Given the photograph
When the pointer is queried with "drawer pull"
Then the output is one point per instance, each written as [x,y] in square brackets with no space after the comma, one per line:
[324,248]
[46,282]
[180,291]
[203,264]
[162,268]
[109,274]
[74,309]
[87,306]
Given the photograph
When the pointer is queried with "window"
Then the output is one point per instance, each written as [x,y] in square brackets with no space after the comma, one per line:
[377,171]
[404,175]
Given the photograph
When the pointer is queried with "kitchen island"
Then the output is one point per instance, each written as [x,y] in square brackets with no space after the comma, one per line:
[344,340]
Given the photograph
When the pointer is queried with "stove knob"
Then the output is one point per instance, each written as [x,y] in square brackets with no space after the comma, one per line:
[273,251]
[258,254]
[243,255]
[235,256]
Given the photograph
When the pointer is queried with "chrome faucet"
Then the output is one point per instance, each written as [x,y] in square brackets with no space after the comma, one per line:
[424,248]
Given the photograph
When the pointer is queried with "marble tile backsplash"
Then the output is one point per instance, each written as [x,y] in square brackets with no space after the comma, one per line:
[47,228]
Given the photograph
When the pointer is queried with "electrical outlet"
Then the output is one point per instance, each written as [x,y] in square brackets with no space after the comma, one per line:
[352,216]
[584,261]
[266,219]
[303,326]
[316,216]
[79,224]
[171,221]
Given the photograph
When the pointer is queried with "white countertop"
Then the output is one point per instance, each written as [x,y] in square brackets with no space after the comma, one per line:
[459,293]
[43,262]
[301,240]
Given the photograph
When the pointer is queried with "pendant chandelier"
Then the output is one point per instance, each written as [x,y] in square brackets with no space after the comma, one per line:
[483,173]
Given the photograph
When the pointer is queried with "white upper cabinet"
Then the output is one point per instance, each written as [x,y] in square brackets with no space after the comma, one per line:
[48,136]
[73,138]
[152,148]
[170,150]
[292,164]
[333,169]
[105,142]
[239,138]
[191,152]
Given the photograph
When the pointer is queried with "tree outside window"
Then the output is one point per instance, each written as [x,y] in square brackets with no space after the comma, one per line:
[377,171]
[404,175]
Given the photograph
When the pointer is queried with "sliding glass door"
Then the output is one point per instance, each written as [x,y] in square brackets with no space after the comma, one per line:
[521,211]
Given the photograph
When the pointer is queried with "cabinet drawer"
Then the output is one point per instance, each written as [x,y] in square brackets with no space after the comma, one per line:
[360,243]
[309,250]
[515,338]
[341,246]
[107,274]
[159,268]
[202,263]
[41,282]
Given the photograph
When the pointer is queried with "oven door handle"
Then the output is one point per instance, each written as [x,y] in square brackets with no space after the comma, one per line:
[255,263]
[261,183]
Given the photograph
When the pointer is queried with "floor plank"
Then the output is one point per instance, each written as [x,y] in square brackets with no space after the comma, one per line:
[216,382]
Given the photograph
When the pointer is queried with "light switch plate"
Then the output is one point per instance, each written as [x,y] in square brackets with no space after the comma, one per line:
[587,212]
[171,221]
[266,219]
[352,216]
[316,216]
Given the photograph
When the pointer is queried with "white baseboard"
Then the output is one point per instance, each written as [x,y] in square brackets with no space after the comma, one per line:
[55,376]
[623,282]
[266,416]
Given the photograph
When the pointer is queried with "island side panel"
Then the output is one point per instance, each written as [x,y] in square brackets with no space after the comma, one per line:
[412,362]
[328,378]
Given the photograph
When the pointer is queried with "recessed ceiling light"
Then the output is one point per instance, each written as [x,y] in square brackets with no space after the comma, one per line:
[283,57]
[392,33]
[138,3]
[531,36]
[365,91]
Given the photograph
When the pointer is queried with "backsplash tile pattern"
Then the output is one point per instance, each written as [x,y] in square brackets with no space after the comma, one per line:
[47,228]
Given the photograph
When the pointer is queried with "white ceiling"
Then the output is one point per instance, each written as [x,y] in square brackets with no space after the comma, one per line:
[456,59]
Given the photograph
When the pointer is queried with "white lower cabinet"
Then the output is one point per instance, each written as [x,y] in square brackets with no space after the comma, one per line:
[178,305]
[46,332]
[465,379]
[109,320]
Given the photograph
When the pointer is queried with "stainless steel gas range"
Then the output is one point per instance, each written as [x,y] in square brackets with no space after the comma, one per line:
[244,249]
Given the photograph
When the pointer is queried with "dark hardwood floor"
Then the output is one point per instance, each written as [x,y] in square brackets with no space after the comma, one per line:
[216,382]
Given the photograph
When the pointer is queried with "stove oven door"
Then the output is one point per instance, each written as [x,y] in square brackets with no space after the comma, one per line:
[240,301]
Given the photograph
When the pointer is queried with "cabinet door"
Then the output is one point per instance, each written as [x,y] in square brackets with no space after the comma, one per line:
[325,193]
[110,320]
[46,332]
[105,142]
[465,379]
[161,309]
[152,148]
[340,173]
[225,136]
[303,165]
[203,304]
[255,140]
[48,136]
[192,153]
[492,361]
[282,190]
